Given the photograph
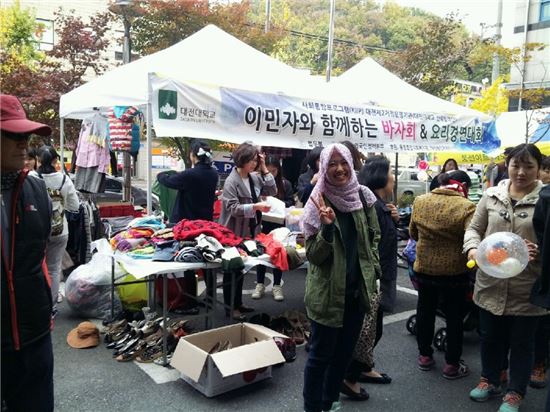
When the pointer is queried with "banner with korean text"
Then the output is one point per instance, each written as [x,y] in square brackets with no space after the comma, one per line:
[270,119]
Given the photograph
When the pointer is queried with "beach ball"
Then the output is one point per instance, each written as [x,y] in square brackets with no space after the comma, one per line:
[502,255]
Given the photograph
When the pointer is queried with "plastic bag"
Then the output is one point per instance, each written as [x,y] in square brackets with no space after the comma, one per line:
[134,296]
[88,288]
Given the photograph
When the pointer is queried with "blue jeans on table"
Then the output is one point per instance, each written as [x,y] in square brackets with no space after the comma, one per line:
[519,333]
[330,353]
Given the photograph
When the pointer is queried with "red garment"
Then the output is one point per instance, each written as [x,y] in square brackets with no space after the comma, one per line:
[187,229]
[274,249]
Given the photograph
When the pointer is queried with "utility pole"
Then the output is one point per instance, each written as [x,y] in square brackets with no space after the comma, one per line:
[267,15]
[498,38]
[524,54]
[330,38]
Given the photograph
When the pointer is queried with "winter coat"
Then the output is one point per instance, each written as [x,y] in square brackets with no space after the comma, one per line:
[387,250]
[495,213]
[196,192]
[304,186]
[541,223]
[438,222]
[26,295]
[326,278]
[235,214]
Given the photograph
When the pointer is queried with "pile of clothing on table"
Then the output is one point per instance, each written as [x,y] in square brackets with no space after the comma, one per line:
[202,241]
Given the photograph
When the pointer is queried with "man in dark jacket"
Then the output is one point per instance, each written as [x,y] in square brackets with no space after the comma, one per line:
[27,358]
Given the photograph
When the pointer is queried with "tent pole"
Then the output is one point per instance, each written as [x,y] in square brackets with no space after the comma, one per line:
[149,145]
[396,177]
[62,142]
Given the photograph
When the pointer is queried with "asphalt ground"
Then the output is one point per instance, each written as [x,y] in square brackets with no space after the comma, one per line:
[90,380]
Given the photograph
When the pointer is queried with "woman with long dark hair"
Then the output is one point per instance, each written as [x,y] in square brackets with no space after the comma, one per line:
[63,195]
[377,176]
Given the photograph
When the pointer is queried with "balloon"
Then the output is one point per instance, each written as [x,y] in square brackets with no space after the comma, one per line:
[502,255]
[422,176]
[423,165]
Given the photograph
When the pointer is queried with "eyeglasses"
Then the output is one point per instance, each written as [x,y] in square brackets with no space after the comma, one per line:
[18,137]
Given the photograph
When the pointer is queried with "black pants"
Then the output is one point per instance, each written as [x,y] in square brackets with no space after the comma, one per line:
[260,275]
[450,295]
[542,339]
[329,355]
[237,286]
[190,282]
[355,367]
[519,332]
[27,377]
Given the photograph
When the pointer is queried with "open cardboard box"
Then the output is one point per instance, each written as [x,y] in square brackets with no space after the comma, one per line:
[253,353]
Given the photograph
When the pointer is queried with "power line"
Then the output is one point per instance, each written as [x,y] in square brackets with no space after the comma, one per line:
[297,33]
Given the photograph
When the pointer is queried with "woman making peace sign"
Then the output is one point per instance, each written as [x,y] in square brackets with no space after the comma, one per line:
[342,233]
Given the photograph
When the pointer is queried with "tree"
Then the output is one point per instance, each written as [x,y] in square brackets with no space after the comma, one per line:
[440,56]
[39,79]
[493,100]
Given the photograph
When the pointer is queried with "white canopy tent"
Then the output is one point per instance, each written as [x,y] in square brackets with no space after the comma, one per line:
[212,59]
[369,82]
[208,56]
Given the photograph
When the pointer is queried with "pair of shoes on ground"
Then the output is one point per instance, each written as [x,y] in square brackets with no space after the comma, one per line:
[239,313]
[259,292]
[451,372]
[538,378]
[362,395]
[486,390]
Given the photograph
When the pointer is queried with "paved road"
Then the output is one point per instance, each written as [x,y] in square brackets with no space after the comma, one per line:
[90,380]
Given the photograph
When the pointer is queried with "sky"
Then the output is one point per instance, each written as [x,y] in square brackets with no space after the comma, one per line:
[472,12]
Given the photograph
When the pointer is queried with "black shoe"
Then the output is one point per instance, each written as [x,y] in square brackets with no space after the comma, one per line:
[362,395]
[245,309]
[383,379]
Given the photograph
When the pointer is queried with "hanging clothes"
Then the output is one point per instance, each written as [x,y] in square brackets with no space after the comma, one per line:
[121,120]
[92,154]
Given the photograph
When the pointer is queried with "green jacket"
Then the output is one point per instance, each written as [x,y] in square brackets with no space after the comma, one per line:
[326,277]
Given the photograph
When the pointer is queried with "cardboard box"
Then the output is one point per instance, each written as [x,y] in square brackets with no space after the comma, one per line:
[249,360]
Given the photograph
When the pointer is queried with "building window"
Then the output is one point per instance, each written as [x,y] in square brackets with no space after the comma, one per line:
[545,10]
[44,35]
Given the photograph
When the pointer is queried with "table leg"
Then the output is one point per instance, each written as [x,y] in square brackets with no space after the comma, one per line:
[164,309]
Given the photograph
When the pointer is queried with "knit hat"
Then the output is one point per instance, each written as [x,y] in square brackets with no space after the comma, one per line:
[85,335]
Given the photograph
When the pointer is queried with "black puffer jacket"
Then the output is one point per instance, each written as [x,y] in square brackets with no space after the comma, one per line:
[541,222]
[26,295]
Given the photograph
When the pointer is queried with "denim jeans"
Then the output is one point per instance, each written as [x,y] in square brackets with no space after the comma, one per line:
[54,257]
[330,353]
[451,296]
[27,377]
[519,332]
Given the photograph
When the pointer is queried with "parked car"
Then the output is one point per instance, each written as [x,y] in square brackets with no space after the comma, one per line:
[409,184]
[113,193]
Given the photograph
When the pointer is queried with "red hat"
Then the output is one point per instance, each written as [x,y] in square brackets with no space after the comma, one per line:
[14,119]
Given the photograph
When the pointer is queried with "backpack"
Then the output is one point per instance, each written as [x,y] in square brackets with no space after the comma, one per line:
[58,208]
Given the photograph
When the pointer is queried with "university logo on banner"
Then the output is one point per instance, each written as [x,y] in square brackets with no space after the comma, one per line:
[168,104]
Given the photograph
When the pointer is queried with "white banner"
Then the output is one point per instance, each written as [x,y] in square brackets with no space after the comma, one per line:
[213,112]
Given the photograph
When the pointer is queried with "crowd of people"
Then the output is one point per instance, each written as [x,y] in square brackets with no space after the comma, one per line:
[349,225]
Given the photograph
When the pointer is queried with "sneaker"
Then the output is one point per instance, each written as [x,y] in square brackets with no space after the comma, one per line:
[538,377]
[259,291]
[278,293]
[510,402]
[456,371]
[425,363]
[484,390]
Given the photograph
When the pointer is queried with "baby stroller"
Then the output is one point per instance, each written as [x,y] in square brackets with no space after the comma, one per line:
[471,315]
